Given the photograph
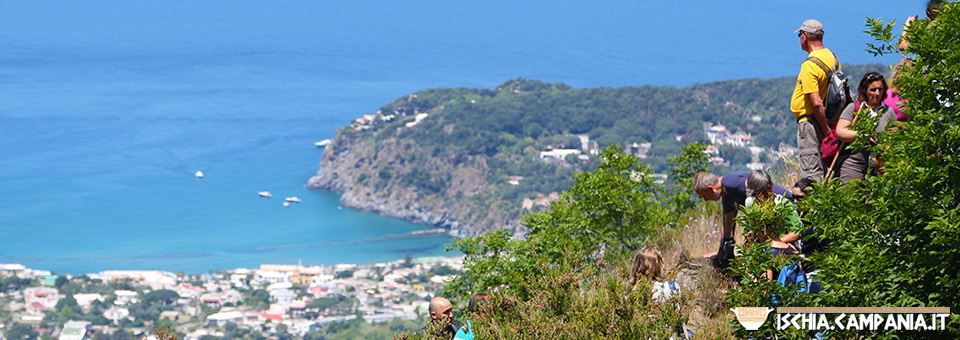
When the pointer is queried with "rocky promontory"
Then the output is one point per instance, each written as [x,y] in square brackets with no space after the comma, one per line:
[370,174]
[477,160]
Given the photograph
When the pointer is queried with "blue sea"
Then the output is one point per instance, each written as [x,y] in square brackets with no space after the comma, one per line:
[108,108]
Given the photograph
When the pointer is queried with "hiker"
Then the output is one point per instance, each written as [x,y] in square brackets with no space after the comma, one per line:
[730,190]
[932,7]
[441,318]
[807,102]
[760,189]
[648,263]
[893,93]
[478,306]
[872,91]
[801,189]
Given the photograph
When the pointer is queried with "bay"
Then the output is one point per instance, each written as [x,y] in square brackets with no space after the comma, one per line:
[108,108]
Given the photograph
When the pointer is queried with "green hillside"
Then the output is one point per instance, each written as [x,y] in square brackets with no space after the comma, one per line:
[470,159]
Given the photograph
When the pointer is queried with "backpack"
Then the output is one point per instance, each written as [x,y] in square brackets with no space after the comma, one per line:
[724,254]
[663,291]
[838,90]
[791,275]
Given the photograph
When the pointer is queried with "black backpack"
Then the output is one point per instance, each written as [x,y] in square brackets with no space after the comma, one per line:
[838,91]
[725,254]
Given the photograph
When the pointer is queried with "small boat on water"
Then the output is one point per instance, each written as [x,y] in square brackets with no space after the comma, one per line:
[322,143]
[293,199]
[265,194]
[286,204]
[199,174]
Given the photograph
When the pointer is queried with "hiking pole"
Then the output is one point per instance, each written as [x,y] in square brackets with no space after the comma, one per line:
[834,162]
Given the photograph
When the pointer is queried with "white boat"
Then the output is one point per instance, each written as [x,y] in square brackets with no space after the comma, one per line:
[199,174]
[264,194]
[322,143]
[293,199]
[286,204]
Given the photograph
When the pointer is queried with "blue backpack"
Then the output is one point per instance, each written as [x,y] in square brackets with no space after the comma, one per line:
[791,275]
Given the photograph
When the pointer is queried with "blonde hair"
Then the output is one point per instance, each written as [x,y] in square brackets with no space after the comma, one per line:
[647,262]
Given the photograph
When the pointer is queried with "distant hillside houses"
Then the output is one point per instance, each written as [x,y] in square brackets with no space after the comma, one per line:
[719,135]
[639,149]
[302,299]
[416,120]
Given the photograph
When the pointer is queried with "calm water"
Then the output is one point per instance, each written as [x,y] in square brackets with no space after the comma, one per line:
[107,109]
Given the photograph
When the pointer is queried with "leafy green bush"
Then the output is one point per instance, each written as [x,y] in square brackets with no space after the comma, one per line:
[754,265]
[604,216]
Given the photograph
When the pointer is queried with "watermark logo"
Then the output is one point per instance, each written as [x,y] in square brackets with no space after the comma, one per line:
[846,318]
[751,317]
[863,318]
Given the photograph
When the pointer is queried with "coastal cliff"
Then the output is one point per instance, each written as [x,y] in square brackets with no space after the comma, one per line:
[370,173]
[477,160]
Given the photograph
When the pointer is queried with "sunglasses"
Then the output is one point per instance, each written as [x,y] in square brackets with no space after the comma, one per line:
[874,76]
[800,34]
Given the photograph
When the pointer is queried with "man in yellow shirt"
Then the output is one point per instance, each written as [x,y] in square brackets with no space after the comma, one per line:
[807,102]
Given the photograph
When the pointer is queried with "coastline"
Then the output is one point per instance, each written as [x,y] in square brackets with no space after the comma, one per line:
[17,269]
[272,299]
[334,175]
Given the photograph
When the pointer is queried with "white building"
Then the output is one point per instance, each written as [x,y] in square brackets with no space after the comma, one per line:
[125,297]
[74,330]
[560,154]
[115,314]
[272,276]
[155,279]
[84,300]
[13,269]
[223,318]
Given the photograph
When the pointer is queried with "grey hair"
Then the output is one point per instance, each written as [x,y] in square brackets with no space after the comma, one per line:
[704,179]
[758,181]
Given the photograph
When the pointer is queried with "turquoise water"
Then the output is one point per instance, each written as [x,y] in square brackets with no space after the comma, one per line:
[108,109]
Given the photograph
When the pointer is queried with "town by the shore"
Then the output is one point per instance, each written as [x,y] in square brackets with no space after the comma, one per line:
[267,301]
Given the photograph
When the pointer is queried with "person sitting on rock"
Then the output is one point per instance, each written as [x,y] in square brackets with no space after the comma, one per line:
[648,263]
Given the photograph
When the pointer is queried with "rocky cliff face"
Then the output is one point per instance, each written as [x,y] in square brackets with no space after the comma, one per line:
[371,175]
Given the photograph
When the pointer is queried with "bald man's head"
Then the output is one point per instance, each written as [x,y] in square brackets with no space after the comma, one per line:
[441,308]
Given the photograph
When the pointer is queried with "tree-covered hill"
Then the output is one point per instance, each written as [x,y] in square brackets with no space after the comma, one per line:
[472,159]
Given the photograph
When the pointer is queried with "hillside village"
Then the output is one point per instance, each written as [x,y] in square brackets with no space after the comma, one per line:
[269,302]
[717,135]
